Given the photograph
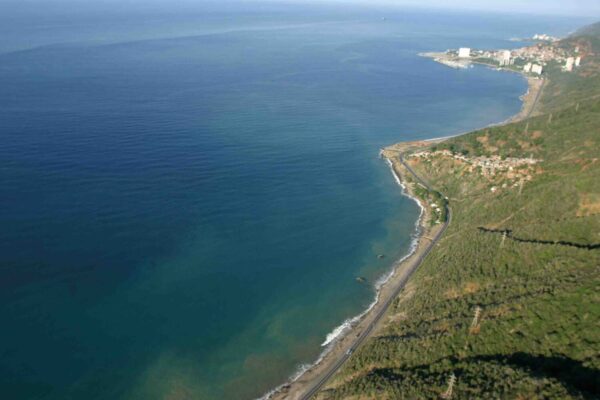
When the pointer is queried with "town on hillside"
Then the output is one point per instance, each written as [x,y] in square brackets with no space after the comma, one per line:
[547,51]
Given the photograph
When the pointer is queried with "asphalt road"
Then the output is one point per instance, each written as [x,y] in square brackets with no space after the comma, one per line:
[365,334]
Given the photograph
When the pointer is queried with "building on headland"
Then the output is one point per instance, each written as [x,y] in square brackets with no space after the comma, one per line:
[527,67]
[464,52]
[577,61]
[544,37]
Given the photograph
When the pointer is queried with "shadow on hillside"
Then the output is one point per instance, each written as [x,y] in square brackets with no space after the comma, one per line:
[572,373]
[509,234]
[578,379]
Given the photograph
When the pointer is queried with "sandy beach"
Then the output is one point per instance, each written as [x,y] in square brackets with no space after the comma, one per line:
[529,99]
[298,386]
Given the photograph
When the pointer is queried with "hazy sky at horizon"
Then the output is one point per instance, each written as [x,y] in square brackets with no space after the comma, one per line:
[588,8]
[583,8]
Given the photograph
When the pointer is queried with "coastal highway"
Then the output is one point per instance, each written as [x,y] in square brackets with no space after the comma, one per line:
[381,312]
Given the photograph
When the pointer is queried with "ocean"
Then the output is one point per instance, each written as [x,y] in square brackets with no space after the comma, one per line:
[189,193]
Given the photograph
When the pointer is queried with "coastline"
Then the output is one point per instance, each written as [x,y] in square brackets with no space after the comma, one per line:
[535,88]
[387,287]
[298,383]
[529,101]
[535,85]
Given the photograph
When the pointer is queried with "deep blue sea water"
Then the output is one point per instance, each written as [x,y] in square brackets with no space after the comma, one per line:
[188,195]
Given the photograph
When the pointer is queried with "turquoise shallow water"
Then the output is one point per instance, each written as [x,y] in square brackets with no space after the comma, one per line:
[188,198]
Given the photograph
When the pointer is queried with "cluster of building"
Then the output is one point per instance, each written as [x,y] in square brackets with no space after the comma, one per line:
[532,59]
[504,58]
[571,62]
[544,38]
[533,68]
[437,213]
[541,54]
[488,166]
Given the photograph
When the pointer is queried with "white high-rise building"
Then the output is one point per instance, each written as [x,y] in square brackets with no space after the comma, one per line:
[569,64]
[504,57]
[577,61]
[536,69]
[464,52]
[527,67]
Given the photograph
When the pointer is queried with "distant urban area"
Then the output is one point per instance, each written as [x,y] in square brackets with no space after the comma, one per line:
[546,52]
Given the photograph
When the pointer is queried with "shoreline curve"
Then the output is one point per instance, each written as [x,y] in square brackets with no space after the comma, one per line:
[300,380]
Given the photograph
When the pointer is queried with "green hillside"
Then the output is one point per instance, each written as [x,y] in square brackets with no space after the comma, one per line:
[565,89]
[523,248]
[590,30]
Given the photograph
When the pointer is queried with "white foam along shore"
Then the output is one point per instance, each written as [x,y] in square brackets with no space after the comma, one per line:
[340,331]
[343,329]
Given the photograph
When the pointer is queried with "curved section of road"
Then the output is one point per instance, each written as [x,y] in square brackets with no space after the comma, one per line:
[364,334]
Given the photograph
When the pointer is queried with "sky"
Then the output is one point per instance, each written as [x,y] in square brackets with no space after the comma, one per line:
[567,8]
[587,8]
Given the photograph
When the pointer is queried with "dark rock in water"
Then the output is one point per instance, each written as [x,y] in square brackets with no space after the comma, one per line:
[380,256]
[360,279]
